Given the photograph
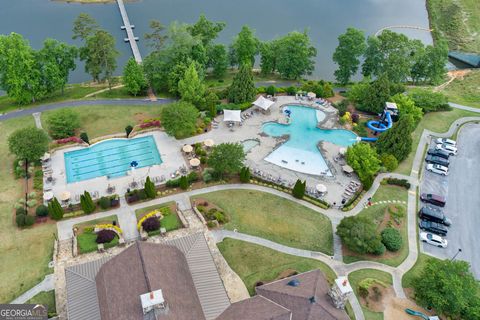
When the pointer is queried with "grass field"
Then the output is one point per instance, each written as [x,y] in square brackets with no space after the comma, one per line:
[465,91]
[25,254]
[170,222]
[274,218]
[86,240]
[436,122]
[46,298]
[357,276]
[377,212]
[255,263]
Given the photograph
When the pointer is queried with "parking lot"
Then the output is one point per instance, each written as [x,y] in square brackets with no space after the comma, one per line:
[462,190]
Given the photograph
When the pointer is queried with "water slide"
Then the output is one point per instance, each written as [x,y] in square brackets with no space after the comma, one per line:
[417,314]
[378,126]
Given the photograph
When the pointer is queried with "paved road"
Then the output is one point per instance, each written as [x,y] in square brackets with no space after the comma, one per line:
[79,103]
[462,189]
[467,108]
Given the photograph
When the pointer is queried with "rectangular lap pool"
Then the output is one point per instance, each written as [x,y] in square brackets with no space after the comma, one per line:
[110,158]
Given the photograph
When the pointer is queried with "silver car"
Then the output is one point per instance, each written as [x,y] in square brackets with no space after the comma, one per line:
[438,169]
[433,239]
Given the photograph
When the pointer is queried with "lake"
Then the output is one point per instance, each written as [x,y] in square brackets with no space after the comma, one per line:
[325,20]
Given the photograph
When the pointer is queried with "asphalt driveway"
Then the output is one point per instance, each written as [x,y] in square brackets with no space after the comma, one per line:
[462,189]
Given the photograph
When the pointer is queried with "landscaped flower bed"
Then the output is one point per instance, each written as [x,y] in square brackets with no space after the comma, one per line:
[87,237]
[169,218]
[212,214]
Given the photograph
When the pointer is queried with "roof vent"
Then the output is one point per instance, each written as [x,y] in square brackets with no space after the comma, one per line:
[293,283]
[152,300]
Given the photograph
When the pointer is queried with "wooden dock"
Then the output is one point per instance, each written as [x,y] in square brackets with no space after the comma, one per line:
[129,29]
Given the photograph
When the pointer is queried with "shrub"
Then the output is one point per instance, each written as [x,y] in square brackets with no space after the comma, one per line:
[20,220]
[207,175]
[29,220]
[41,211]
[211,224]
[55,210]
[104,202]
[69,140]
[359,234]
[389,161]
[291,90]
[220,217]
[149,189]
[31,203]
[128,130]
[151,224]
[84,137]
[299,189]
[399,182]
[245,175]
[32,195]
[183,183]
[62,123]
[105,236]
[271,90]
[142,195]
[86,202]
[392,239]
[355,117]
[20,211]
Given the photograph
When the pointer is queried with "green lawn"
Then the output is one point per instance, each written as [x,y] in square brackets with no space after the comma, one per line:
[103,120]
[255,263]
[357,276]
[267,216]
[465,91]
[376,213]
[105,220]
[170,221]
[436,122]
[46,298]
[25,254]
[409,277]
[86,242]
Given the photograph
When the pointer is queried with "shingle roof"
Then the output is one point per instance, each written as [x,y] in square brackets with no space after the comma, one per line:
[258,308]
[82,301]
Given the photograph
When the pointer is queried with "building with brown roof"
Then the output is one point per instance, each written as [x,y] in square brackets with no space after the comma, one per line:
[305,296]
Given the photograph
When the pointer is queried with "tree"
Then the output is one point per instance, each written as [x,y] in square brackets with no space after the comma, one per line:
[246,46]
[41,211]
[84,137]
[389,161]
[245,175]
[100,56]
[242,88]
[62,123]
[179,119]
[226,158]
[156,39]
[449,287]
[298,190]
[429,63]
[150,190]
[206,30]
[28,143]
[351,46]
[392,239]
[211,101]
[406,105]
[86,202]
[84,26]
[428,100]
[128,130]
[398,140]
[19,73]
[183,183]
[55,210]
[191,87]
[217,59]
[60,58]
[134,77]
[359,234]
[364,160]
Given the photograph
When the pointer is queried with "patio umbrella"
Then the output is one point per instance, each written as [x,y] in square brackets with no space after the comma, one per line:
[209,143]
[187,148]
[321,188]
[342,151]
[48,196]
[347,169]
[311,95]
[65,196]
[194,162]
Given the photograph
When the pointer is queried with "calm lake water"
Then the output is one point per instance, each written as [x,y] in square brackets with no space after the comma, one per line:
[325,19]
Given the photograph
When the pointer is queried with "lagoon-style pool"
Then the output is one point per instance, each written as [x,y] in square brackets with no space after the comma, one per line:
[110,158]
[300,153]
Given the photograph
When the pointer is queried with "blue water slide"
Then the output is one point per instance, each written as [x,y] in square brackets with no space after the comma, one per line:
[378,126]
[416,313]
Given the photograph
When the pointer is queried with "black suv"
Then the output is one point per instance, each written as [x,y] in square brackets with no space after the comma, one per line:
[437,160]
[435,215]
[434,227]
[433,199]
[438,153]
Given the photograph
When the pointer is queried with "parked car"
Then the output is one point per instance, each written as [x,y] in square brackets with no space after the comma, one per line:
[434,214]
[446,141]
[437,160]
[438,169]
[438,153]
[433,199]
[447,148]
[433,239]
[434,227]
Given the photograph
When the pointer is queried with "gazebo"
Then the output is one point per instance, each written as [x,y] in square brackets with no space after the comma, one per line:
[232,115]
[263,103]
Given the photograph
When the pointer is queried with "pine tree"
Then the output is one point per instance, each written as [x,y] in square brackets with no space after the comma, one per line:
[86,202]
[242,88]
[299,189]
[398,140]
[150,190]
[55,209]
[183,182]
[245,175]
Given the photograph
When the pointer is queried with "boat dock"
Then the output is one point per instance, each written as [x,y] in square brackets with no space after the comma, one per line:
[129,29]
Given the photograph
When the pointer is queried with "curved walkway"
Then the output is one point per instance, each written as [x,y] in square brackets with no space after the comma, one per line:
[47,284]
[80,103]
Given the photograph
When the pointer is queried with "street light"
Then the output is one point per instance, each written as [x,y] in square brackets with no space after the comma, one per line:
[456,254]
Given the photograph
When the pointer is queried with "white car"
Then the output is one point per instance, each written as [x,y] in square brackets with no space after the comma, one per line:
[447,148]
[446,141]
[433,239]
[438,169]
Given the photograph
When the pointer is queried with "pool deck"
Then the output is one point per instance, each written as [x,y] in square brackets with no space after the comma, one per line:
[168,148]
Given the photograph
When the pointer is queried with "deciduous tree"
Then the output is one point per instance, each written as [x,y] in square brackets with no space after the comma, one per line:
[62,123]
[364,160]
[134,77]
[179,119]
[246,46]
[191,87]
[84,26]
[28,143]
[226,158]
[206,30]
[359,234]
[156,39]
[351,47]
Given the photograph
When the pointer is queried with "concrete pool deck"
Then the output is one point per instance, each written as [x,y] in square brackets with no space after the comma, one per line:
[168,148]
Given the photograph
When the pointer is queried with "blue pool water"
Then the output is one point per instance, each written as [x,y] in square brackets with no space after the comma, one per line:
[300,152]
[110,158]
